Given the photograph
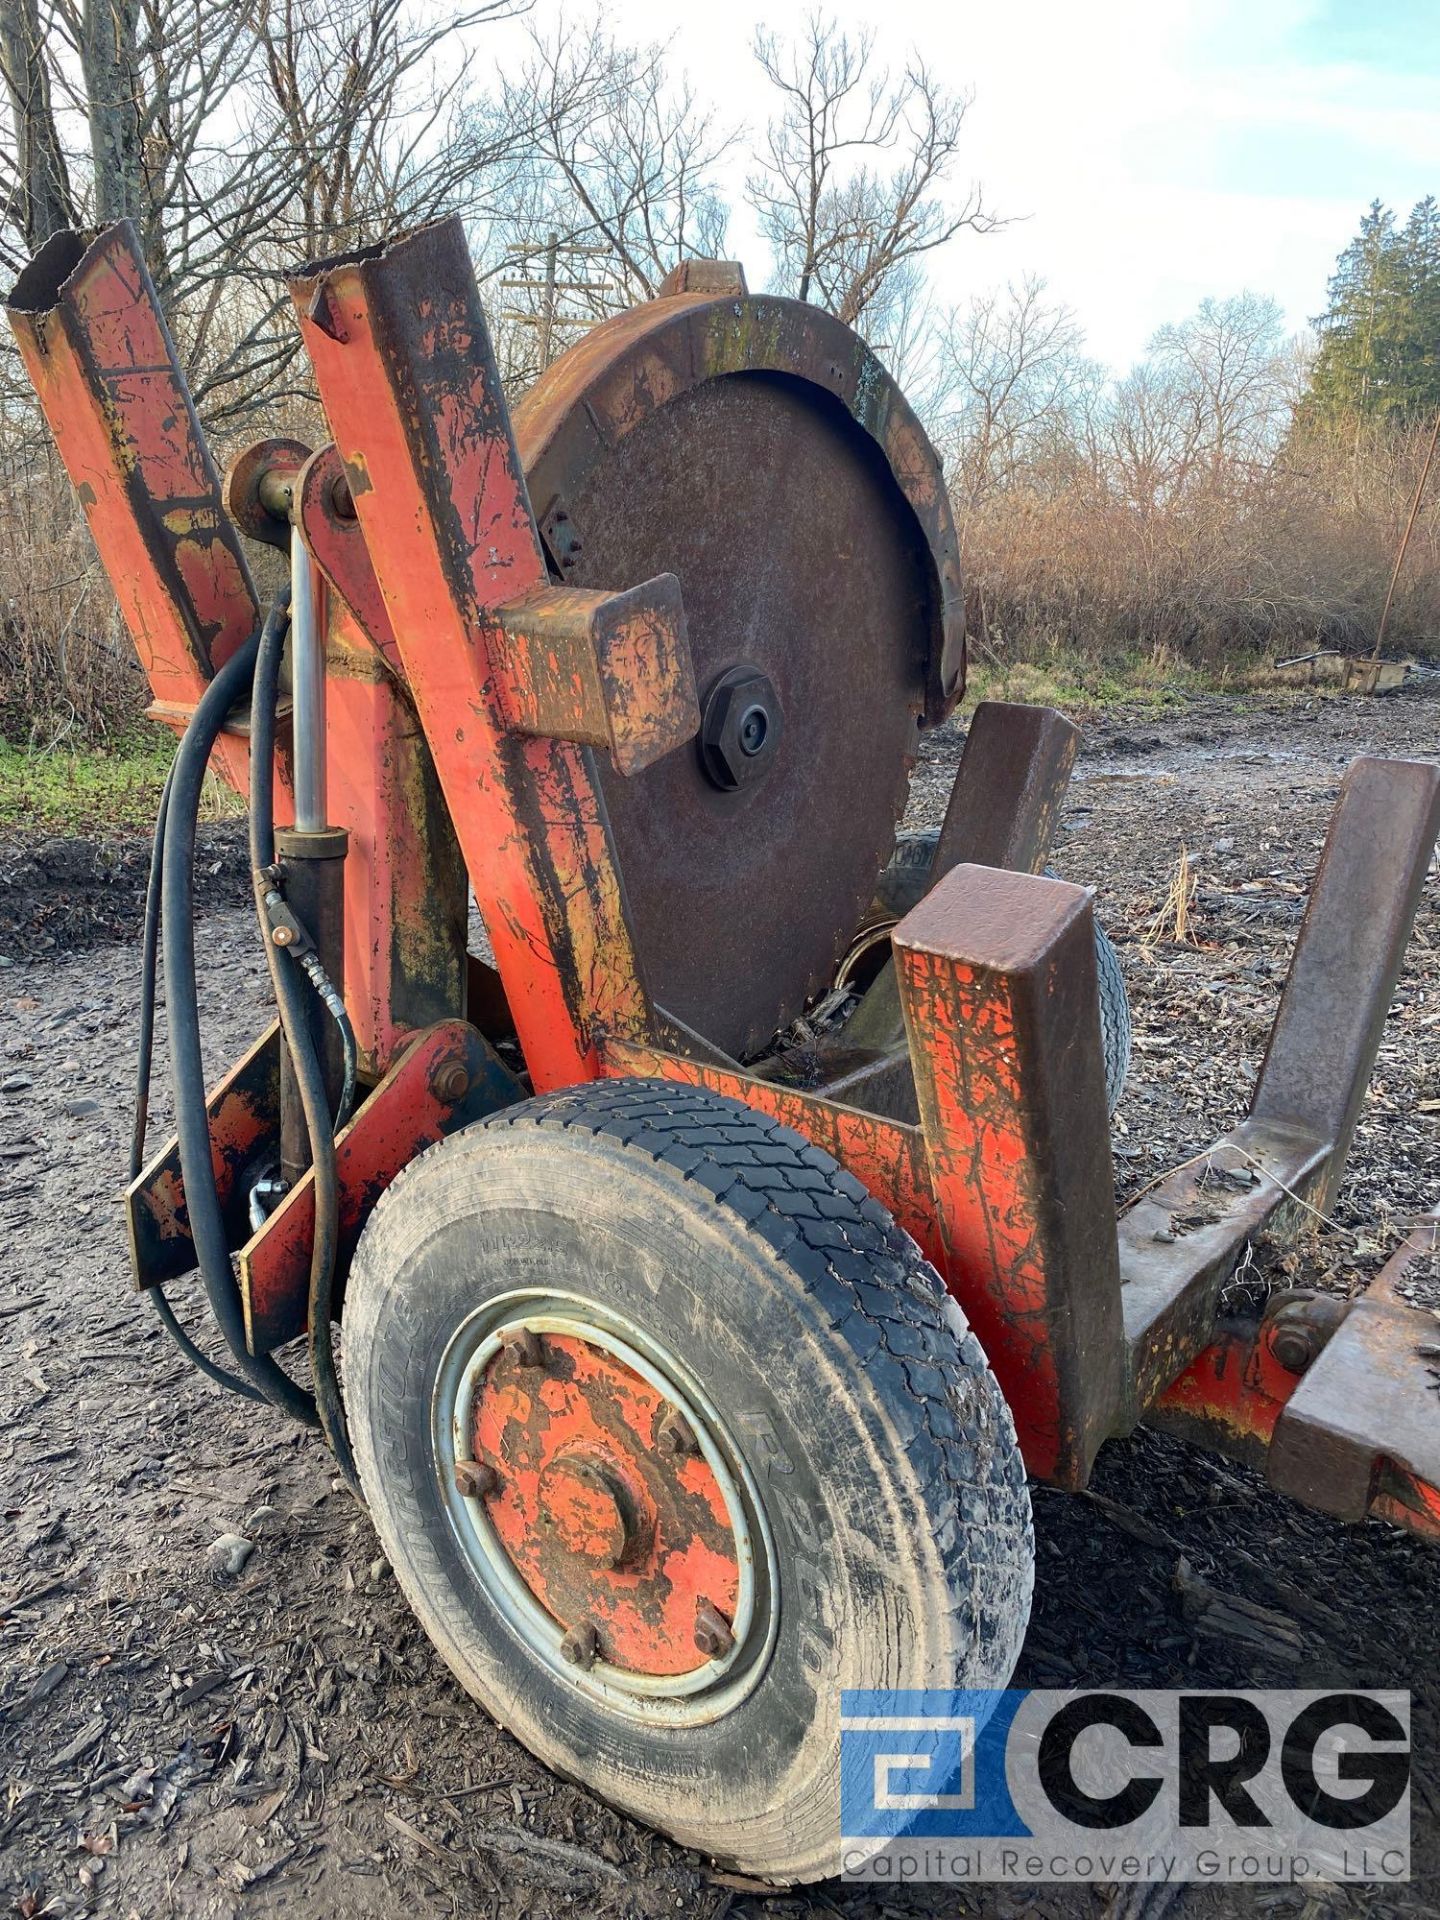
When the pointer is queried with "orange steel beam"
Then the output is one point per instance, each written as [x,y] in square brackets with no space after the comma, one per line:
[406,901]
[94,342]
[997,982]
[443,1079]
[403,359]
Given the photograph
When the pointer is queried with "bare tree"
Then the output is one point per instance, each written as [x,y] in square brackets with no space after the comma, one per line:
[238,138]
[1014,366]
[35,196]
[1229,361]
[1150,438]
[848,184]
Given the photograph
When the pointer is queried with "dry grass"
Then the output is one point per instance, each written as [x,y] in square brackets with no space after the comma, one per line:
[1233,566]
[1172,921]
[1077,591]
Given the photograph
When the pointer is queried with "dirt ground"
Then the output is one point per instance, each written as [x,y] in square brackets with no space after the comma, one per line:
[176,1740]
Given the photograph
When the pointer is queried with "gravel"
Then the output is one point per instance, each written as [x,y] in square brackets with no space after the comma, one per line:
[281,1739]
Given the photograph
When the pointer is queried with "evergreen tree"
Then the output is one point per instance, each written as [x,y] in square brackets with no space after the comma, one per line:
[1418,369]
[1379,352]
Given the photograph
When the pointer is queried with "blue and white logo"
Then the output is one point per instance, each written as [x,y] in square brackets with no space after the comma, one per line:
[926,1763]
[1258,1788]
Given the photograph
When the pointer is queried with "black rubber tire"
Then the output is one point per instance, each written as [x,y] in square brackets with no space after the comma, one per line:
[861,1405]
[905,883]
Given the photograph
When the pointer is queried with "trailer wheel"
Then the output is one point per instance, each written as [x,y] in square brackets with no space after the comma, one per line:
[670,1435]
[906,881]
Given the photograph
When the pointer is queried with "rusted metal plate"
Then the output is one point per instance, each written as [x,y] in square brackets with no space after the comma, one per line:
[403,360]
[244,1112]
[1181,1241]
[806,519]
[879,1081]
[406,898]
[260,482]
[1349,953]
[1005,805]
[1363,1425]
[722,278]
[90,331]
[338,549]
[608,670]
[1229,1397]
[997,980]
[444,1079]
[603,1523]
[620,373]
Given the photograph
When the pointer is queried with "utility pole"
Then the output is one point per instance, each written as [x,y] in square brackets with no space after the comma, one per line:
[547,309]
[548,289]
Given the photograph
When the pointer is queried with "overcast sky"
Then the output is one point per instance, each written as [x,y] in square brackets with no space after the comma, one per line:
[1150,151]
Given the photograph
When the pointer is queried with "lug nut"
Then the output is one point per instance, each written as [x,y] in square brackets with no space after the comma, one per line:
[675,1435]
[712,1632]
[525,1347]
[581,1645]
[476,1479]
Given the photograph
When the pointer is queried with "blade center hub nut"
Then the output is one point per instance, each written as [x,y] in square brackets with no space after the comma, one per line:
[740,728]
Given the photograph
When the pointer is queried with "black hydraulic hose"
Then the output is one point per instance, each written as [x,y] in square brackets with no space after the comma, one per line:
[290,998]
[187,1069]
[264,699]
[144,1068]
[149,953]
[333,1004]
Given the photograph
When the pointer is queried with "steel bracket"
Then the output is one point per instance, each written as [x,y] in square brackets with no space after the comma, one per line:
[605,670]
[997,981]
[444,1079]
[1362,1427]
[244,1115]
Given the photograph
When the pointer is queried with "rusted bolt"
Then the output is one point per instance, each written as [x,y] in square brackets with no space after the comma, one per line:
[342,501]
[712,1632]
[476,1479]
[674,1434]
[450,1081]
[525,1347]
[1294,1345]
[1298,1323]
[282,936]
[581,1645]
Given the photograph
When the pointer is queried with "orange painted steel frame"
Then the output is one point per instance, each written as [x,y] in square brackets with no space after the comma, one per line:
[448,642]
[403,360]
[105,369]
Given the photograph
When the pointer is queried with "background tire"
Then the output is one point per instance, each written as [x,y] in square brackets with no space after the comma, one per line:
[844,1389]
[906,881]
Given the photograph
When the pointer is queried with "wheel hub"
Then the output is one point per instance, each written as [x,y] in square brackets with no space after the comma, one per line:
[601,1486]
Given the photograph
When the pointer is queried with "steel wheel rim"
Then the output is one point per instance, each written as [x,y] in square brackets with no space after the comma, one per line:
[697,1696]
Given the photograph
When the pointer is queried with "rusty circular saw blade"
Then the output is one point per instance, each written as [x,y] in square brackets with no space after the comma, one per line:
[798,554]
